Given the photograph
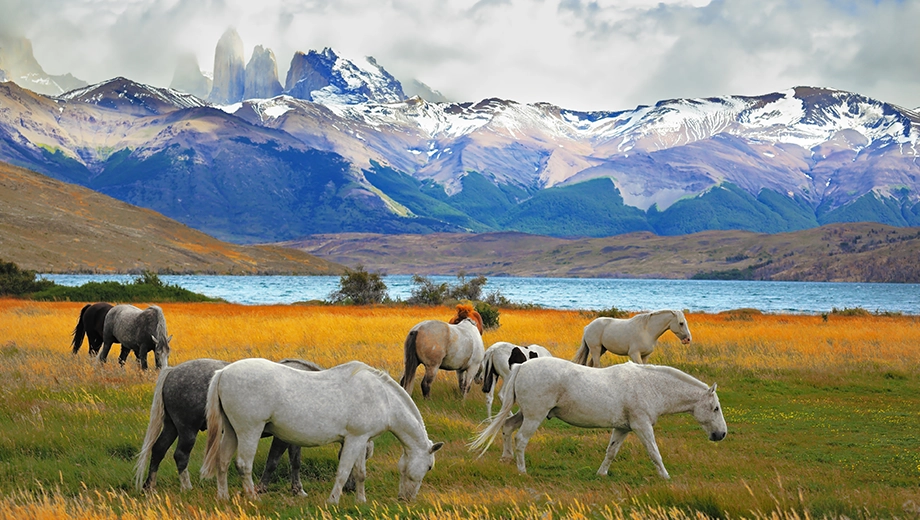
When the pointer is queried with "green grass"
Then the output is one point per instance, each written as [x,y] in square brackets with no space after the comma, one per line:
[813,443]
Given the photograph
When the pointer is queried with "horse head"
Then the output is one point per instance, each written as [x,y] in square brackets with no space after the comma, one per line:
[466,311]
[708,413]
[161,351]
[680,328]
[413,465]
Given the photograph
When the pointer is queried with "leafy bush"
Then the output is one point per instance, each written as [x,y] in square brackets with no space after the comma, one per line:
[145,288]
[468,290]
[427,292]
[17,282]
[846,311]
[612,312]
[359,287]
[489,315]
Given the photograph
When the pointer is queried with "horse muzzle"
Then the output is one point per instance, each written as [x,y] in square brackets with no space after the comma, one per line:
[717,436]
[685,341]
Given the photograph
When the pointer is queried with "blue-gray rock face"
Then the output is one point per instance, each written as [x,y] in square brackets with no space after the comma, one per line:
[229,70]
[262,75]
[188,77]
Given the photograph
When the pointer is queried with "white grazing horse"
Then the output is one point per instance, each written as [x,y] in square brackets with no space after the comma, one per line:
[634,337]
[495,364]
[626,397]
[350,404]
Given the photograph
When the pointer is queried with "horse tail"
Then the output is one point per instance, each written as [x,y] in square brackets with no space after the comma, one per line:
[157,413]
[79,331]
[488,371]
[508,396]
[215,416]
[412,361]
[581,357]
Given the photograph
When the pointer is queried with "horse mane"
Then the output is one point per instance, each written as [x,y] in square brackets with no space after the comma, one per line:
[679,374]
[390,382]
[464,311]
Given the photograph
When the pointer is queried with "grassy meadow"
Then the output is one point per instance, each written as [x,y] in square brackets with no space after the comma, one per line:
[823,420]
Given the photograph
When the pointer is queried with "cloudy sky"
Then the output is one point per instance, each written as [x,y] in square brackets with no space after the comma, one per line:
[579,54]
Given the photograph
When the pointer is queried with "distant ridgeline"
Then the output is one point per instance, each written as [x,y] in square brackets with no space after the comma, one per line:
[339,148]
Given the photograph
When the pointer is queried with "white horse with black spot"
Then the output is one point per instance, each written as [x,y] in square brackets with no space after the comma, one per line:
[635,337]
[496,364]
[348,404]
[626,397]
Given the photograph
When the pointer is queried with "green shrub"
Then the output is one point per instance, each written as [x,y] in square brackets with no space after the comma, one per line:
[359,287]
[489,315]
[846,311]
[427,292]
[468,290]
[612,312]
[18,282]
[145,288]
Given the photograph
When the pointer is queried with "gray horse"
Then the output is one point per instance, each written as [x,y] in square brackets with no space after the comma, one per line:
[178,412]
[138,331]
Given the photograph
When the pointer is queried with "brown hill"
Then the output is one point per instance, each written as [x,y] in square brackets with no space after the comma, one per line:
[53,227]
[861,252]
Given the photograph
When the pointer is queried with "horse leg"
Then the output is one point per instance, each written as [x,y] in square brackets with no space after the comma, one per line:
[294,458]
[596,354]
[181,455]
[464,381]
[646,434]
[248,443]
[275,452]
[508,429]
[430,373]
[616,440]
[489,399]
[528,428]
[104,353]
[352,449]
[636,356]
[359,474]
[167,436]
[125,350]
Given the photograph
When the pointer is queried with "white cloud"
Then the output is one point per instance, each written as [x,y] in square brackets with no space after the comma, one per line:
[582,54]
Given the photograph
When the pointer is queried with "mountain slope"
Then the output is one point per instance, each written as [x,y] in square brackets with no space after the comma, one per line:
[50,226]
[863,252]
[279,168]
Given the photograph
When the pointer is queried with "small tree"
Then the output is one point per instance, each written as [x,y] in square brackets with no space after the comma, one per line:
[359,287]
[468,290]
[16,281]
[427,292]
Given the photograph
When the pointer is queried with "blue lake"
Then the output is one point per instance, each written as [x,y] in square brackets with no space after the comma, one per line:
[571,293]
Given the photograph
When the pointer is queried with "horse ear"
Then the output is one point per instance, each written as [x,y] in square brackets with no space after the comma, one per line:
[169,339]
[435,447]
[712,389]
[154,339]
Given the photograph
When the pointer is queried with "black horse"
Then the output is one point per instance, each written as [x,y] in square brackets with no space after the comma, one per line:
[90,324]
[177,411]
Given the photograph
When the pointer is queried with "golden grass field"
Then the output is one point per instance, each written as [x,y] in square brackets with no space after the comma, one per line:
[822,418]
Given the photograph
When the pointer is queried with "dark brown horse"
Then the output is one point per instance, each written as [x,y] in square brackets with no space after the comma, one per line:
[90,323]
[456,345]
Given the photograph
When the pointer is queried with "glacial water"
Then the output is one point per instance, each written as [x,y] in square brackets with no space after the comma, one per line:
[571,293]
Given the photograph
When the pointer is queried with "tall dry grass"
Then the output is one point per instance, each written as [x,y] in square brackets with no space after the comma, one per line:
[44,383]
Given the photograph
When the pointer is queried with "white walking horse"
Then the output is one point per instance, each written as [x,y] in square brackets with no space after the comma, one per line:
[351,404]
[634,337]
[495,364]
[626,397]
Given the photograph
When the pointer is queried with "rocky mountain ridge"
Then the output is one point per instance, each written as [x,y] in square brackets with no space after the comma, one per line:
[280,167]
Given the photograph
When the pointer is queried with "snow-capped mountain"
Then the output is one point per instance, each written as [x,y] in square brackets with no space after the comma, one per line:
[281,167]
[325,77]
